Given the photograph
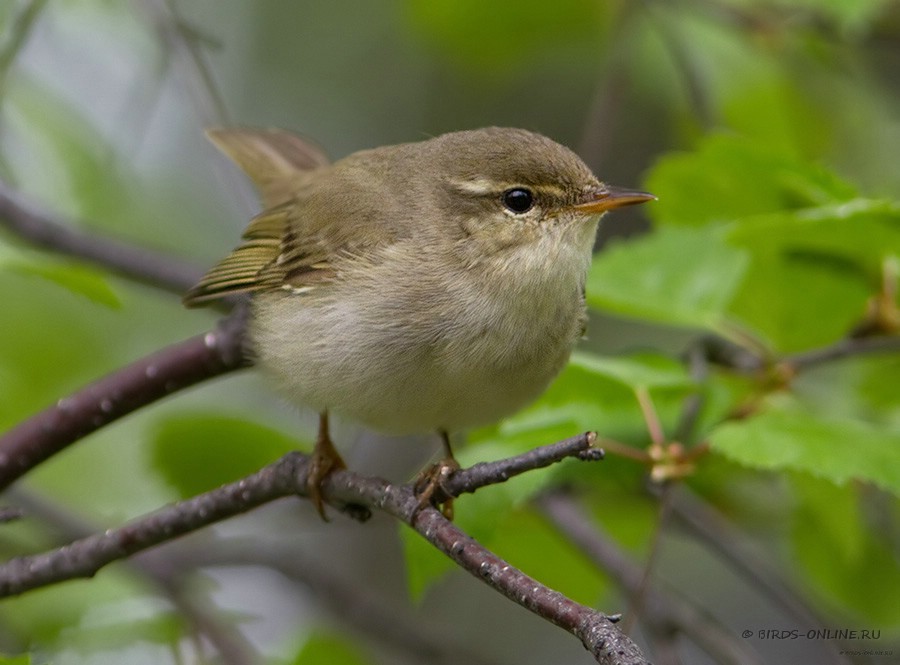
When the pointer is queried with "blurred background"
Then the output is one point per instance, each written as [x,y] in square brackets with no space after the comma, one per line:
[102,110]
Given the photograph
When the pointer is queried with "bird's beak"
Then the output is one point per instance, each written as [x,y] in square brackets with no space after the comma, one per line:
[605,197]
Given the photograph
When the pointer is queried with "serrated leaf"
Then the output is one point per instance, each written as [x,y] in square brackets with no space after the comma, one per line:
[196,452]
[799,300]
[861,231]
[676,276]
[788,439]
[730,176]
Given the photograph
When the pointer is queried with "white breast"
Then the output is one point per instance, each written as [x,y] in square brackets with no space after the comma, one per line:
[427,353]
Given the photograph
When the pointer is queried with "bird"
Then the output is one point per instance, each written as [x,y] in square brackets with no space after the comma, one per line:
[430,286]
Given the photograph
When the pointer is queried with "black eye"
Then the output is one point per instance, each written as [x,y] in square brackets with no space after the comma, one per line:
[518,200]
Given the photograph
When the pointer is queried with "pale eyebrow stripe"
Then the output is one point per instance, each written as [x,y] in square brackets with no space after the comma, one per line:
[478,186]
[483,187]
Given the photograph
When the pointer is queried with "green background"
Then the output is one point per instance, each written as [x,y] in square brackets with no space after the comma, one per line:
[768,130]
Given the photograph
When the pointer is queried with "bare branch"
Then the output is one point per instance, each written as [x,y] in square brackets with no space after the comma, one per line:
[125,390]
[287,477]
[84,557]
[596,630]
[48,231]
[491,473]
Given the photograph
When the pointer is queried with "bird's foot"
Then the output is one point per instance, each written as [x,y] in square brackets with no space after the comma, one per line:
[324,460]
[430,486]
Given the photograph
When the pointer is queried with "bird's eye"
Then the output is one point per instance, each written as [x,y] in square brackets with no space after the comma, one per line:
[518,200]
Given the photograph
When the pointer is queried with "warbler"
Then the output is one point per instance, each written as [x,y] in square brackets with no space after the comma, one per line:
[432,286]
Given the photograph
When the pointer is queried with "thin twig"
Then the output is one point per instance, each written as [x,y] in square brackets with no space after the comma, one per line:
[639,595]
[491,473]
[48,231]
[651,418]
[691,408]
[182,41]
[183,48]
[288,477]
[142,382]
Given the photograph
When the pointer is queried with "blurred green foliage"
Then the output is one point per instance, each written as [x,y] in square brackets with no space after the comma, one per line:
[768,130]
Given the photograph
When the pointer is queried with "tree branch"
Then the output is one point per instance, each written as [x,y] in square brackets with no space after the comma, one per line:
[115,395]
[287,477]
[48,231]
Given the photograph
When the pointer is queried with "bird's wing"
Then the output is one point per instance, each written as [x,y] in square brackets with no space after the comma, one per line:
[282,249]
[272,158]
[251,265]
[312,223]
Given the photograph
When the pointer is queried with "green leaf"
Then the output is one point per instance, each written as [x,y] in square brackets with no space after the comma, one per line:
[329,649]
[809,281]
[425,565]
[527,542]
[592,393]
[23,659]
[860,231]
[196,452]
[75,278]
[852,566]
[729,177]
[675,276]
[55,614]
[638,372]
[787,438]
[66,151]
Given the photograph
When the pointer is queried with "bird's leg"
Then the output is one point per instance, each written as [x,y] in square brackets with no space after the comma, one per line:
[429,484]
[325,459]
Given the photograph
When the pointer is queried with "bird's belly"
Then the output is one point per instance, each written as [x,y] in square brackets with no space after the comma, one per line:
[405,378]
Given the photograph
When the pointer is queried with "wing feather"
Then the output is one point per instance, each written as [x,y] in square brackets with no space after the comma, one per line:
[248,267]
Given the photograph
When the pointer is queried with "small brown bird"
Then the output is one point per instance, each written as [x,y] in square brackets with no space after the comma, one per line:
[431,286]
